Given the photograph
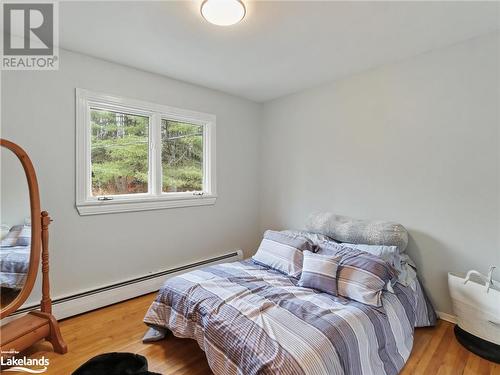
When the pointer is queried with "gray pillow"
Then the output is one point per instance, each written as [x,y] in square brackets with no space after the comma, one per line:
[388,253]
[361,276]
[11,238]
[24,237]
[282,252]
[320,272]
[401,262]
[369,232]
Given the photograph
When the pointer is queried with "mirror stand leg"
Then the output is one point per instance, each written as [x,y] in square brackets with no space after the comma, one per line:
[54,337]
[46,303]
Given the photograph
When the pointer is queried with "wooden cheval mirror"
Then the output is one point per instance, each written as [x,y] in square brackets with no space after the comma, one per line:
[24,236]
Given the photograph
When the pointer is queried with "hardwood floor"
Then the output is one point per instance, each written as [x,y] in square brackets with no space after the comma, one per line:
[120,328]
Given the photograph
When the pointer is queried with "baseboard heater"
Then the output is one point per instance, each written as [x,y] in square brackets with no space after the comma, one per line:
[79,303]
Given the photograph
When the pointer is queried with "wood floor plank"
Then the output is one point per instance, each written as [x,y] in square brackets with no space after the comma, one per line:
[420,343]
[430,350]
[455,357]
[120,328]
[437,359]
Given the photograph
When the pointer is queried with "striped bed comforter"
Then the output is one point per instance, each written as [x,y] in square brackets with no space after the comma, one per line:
[14,264]
[250,319]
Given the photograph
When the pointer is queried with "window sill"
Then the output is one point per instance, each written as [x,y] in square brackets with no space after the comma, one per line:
[131,205]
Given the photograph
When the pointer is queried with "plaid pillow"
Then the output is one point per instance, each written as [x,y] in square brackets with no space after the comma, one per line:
[282,252]
[360,276]
[320,272]
[11,238]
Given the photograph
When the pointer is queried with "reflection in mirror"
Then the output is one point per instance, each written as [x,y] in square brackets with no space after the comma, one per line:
[15,221]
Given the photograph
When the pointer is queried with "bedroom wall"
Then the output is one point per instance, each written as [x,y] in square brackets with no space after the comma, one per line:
[38,112]
[415,142]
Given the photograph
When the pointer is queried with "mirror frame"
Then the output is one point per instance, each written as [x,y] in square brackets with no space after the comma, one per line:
[36,227]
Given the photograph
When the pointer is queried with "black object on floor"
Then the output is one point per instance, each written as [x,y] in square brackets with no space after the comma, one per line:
[115,364]
[476,345]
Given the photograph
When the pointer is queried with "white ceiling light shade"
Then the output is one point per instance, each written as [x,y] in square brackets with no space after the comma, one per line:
[223,12]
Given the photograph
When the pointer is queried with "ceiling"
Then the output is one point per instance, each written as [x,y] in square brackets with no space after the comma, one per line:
[279,48]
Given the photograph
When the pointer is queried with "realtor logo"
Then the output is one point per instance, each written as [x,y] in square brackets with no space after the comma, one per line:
[30,36]
[11,363]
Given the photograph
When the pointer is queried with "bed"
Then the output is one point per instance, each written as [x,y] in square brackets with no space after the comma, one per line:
[250,319]
[14,264]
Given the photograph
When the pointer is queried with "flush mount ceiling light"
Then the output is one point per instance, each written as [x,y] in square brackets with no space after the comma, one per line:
[223,12]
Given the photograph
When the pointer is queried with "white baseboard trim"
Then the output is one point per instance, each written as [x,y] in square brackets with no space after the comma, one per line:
[67,306]
[448,317]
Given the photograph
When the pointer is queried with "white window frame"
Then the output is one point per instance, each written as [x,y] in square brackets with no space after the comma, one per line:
[87,204]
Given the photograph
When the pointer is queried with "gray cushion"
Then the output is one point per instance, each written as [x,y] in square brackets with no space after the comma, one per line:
[361,276]
[24,238]
[282,252]
[357,231]
[320,272]
[11,238]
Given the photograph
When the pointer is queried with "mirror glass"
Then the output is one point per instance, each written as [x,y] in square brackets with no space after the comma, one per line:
[15,221]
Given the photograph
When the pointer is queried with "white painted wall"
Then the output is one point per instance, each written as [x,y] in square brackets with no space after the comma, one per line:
[38,113]
[415,142]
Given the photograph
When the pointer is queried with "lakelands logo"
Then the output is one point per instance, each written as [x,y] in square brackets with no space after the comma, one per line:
[28,365]
[30,36]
